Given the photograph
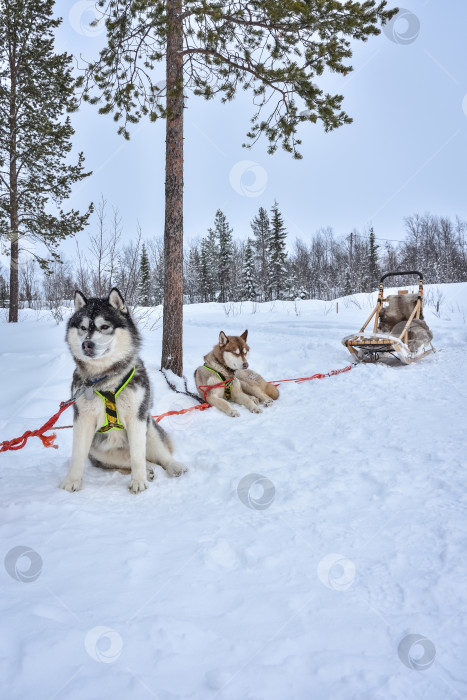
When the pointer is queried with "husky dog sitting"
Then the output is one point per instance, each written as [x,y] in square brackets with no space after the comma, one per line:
[228,361]
[112,421]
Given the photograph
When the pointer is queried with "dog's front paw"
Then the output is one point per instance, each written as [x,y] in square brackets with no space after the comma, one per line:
[267,402]
[233,413]
[71,484]
[138,485]
[255,409]
[175,468]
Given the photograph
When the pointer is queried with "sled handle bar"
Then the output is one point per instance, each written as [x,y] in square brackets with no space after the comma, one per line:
[396,274]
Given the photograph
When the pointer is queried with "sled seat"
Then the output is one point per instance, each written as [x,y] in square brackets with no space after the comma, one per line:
[399,308]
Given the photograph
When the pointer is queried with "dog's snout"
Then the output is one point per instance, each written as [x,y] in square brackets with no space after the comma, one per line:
[245,365]
[88,346]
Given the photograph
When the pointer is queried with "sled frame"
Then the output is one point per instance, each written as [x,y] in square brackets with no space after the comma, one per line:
[377,343]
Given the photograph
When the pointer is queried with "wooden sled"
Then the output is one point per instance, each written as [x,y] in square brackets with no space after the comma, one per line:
[367,346]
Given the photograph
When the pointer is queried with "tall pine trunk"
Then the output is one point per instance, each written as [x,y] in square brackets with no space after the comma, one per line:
[14,281]
[13,184]
[172,337]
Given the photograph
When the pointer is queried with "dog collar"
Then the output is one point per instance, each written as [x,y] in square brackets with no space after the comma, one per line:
[87,388]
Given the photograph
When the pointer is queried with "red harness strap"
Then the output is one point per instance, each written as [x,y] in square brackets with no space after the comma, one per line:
[207,387]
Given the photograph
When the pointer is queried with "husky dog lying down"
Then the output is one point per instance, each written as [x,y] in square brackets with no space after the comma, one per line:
[228,361]
[112,422]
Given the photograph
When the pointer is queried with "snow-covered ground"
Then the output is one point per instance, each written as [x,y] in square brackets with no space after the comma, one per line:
[352,575]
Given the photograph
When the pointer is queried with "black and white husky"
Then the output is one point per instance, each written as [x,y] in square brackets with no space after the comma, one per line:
[112,420]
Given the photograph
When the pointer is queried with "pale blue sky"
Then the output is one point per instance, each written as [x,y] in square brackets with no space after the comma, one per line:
[404,153]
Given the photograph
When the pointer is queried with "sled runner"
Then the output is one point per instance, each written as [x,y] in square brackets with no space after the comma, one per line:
[398,329]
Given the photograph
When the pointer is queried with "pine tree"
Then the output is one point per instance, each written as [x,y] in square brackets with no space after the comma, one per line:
[210,266]
[236,290]
[36,89]
[204,276]
[291,286]
[248,273]
[155,250]
[373,261]
[262,234]
[4,291]
[193,275]
[144,296]
[275,49]
[157,282]
[223,234]
[277,254]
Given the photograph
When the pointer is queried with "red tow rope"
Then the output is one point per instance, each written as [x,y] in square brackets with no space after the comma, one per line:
[48,440]
[199,406]
[332,373]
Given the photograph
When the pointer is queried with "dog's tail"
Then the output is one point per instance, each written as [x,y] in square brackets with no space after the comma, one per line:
[272,391]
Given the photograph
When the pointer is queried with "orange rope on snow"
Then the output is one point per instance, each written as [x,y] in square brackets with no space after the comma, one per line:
[199,406]
[332,373]
[48,440]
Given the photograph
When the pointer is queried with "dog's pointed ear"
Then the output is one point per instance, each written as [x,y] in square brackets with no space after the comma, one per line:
[223,340]
[80,300]
[244,335]
[116,301]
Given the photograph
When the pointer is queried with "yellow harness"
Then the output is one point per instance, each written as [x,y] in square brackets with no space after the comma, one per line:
[227,387]
[110,402]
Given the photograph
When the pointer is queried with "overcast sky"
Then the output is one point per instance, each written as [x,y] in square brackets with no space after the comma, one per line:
[404,153]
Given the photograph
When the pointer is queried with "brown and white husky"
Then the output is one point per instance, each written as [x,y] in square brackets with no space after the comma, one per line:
[227,361]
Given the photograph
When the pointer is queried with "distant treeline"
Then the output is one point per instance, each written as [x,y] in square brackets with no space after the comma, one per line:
[220,268]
